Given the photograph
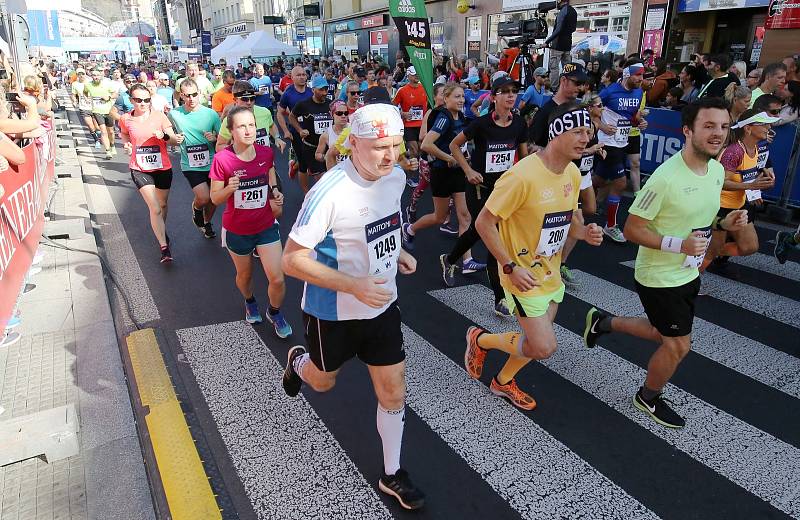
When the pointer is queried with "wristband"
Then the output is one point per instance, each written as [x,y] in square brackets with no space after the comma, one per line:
[717,224]
[671,244]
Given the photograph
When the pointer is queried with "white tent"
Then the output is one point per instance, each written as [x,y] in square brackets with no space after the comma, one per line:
[259,44]
[221,51]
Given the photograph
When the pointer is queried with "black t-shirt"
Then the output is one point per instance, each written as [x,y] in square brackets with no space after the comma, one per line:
[495,146]
[716,87]
[314,117]
[448,127]
[538,133]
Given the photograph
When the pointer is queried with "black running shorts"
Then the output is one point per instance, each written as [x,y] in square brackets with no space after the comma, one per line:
[446,181]
[670,309]
[311,163]
[634,145]
[411,134]
[197,178]
[751,214]
[377,341]
[161,179]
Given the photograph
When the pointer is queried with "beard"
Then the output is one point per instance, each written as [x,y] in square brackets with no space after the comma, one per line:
[704,149]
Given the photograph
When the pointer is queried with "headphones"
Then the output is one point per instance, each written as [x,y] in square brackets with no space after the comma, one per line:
[497,118]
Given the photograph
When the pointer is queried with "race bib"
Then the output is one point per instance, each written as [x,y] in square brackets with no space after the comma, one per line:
[555,228]
[763,154]
[97,100]
[84,103]
[383,244]
[149,158]
[587,163]
[261,137]
[499,161]
[321,123]
[251,194]
[696,261]
[263,89]
[623,131]
[749,176]
[198,155]
[415,113]
[341,157]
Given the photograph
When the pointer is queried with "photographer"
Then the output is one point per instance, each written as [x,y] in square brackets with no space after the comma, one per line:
[560,40]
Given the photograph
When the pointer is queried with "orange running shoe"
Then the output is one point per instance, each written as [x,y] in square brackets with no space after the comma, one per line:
[474,356]
[513,393]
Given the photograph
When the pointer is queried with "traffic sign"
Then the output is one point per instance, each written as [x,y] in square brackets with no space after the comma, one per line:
[300,31]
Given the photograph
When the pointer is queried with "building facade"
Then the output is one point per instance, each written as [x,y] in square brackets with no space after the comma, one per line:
[231,17]
[80,24]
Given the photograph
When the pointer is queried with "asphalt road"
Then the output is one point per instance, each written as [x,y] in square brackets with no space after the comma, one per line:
[585,452]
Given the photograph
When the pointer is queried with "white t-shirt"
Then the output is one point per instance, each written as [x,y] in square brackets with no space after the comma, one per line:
[353,226]
[623,125]
[158,102]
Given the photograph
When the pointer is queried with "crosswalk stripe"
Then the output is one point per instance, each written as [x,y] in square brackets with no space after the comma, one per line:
[744,355]
[268,435]
[767,264]
[755,460]
[468,423]
[754,299]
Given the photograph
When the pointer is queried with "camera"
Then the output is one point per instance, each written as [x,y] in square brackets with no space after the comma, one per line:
[527,30]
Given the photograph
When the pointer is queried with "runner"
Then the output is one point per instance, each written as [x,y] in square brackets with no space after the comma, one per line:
[310,119]
[500,140]
[353,95]
[327,149]
[786,241]
[524,224]
[245,96]
[424,159]
[292,95]
[621,102]
[744,180]
[262,84]
[671,220]
[223,96]
[145,134]
[413,103]
[243,175]
[83,101]
[203,84]
[197,128]
[345,245]
[103,97]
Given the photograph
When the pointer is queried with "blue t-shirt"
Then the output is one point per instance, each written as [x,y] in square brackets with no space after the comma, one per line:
[263,88]
[535,97]
[621,100]
[123,102]
[167,92]
[290,98]
[447,128]
[470,97]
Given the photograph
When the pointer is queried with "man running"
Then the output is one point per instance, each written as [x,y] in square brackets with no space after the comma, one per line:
[671,219]
[197,128]
[311,118]
[103,97]
[413,103]
[202,82]
[345,245]
[524,224]
[292,95]
[786,241]
[83,101]
[262,84]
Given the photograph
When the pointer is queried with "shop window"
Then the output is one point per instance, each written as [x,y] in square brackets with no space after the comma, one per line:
[619,24]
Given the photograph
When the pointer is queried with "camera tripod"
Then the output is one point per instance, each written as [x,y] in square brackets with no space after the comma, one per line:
[526,68]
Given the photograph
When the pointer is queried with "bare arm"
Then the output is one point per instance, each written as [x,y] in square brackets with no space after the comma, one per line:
[221,193]
[319,153]
[330,157]
[429,145]
[281,117]
[13,153]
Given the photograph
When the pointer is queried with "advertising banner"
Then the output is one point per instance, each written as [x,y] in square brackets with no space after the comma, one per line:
[783,14]
[44,30]
[415,36]
[688,6]
[205,42]
[22,208]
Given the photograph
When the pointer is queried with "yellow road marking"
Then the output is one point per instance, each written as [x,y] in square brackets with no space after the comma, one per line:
[184,480]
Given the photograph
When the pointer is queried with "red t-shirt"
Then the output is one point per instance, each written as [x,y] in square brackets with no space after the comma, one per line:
[285,82]
[149,152]
[247,211]
[414,100]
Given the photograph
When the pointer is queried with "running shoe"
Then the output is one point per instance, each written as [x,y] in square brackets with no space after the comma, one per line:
[208,231]
[590,330]
[568,276]
[513,393]
[400,486]
[251,313]
[412,183]
[659,410]
[166,255]
[782,246]
[407,238]
[108,155]
[448,271]
[197,218]
[411,215]
[502,309]
[474,356]
[448,229]
[113,151]
[614,234]
[291,379]
[282,327]
[97,145]
[472,266]
[293,167]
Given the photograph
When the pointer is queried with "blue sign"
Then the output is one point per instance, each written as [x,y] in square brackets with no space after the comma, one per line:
[349,25]
[686,6]
[300,31]
[205,42]
[44,30]
[664,138]
[178,42]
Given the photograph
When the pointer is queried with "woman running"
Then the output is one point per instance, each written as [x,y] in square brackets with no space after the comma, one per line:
[243,177]
[145,134]
[327,141]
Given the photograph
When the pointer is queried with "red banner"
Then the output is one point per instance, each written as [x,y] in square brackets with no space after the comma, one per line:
[22,207]
[783,14]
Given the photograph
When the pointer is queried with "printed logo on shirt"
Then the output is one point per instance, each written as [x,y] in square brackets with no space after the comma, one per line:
[546,195]
[567,190]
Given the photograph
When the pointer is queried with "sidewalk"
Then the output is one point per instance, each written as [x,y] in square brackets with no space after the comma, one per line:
[69,355]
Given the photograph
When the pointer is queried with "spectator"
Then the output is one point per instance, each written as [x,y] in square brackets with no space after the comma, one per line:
[158,103]
[508,62]
[44,99]
[791,111]
[739,69]
[773,79]
[536,94]
[717,67]
[609,77]
[738,99]
[673,99]
[689,78]
[753,78]
[664,80]
[593,71]
[791,67]
[17,128]
[560,40]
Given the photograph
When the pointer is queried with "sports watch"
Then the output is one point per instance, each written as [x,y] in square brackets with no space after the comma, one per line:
[509,268]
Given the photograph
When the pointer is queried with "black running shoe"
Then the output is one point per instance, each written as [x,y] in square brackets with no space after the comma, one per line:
[400,486]
[197,218]
[590,331]
[208,231]
[659,410]
[291,379]
[166,255]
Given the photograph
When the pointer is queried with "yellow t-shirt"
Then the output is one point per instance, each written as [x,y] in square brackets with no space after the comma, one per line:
[535,208]
[635,129]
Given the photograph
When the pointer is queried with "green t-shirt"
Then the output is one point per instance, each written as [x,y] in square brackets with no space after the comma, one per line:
[263,124]
[196,151]
[676,201]
[101,97]
[216,85]
[203,87]
[757,93]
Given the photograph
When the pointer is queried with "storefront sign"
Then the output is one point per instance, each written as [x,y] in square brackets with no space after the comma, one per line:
[379,38]
[783,14]
[687,6]
[474,46]
[474,29]
[300,31]
[520,5]
[655,18]
[377,20]
[349,25]
[231,29]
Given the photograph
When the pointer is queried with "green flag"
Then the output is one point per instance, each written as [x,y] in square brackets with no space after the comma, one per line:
[415,36]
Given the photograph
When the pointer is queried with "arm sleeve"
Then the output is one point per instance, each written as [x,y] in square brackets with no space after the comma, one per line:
[217,124]
[648,202]
[314,220]
[508,195]
[440,124]
[562,14]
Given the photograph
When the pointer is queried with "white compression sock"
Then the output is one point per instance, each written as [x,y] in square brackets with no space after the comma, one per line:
[390,428]
[299,363]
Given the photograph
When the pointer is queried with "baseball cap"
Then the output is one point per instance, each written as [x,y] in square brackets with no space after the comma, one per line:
[540,71]
[319,82]
[163,76]
[504,81]
[761,118]
[473,79]
[498,74]
[575,72]
[376,121]
[361,73]
[376,95]
[411,71]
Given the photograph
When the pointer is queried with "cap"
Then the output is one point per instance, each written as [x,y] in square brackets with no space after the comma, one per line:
[411,71]
[575,72]
[503,81]
[163,76]
[361,73]
[540,71]
[498,74]
[376,121]
[377,95]
[762,118]
[319,82]
[473,79]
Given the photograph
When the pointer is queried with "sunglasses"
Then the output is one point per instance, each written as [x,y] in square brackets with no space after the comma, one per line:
[247,99]
[774,112]
[190,94]
[341,113]
[599,105]
[140,100]
[508,91]
[355,93]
